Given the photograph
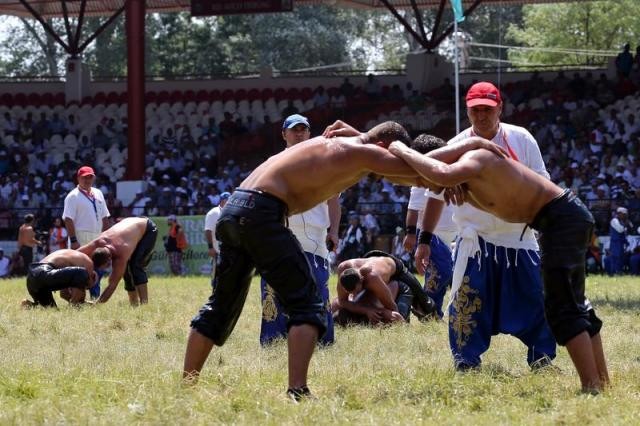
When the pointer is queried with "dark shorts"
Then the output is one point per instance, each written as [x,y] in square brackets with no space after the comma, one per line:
[135,273]
[565,227]
[44,278]
[252,234]
[423,304]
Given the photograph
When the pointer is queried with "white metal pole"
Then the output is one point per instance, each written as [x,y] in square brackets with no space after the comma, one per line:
[457,71]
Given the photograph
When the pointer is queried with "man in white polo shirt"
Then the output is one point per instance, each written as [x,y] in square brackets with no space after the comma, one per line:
[210,231]
[85,213]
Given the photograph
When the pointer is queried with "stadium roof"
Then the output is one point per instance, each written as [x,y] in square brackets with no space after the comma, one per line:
[53,8]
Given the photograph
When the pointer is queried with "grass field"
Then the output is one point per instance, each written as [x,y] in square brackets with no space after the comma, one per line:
[113,364]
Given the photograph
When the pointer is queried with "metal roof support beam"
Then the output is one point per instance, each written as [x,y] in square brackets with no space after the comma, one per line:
[436,24]
[422,40]
[419,21]
[46,26]
[102,27]
[449,29]
[76,38]
[67,26]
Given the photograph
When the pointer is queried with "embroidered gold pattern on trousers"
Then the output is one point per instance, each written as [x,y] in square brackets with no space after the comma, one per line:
[269,308]
[464,306]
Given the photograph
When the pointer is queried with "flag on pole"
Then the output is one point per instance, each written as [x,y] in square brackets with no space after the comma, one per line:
[458,12]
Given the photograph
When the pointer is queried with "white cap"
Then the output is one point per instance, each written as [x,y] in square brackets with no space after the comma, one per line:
[622,210]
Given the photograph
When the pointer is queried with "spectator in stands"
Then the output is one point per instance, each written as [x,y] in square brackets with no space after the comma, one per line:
[372,88]
[634,261]
[5,265]
[398,250]
[228,127]
[85,213]
[353,241]
[57,126]
[320,98]
[290,109]
[624,61]
[5,163]
[100,140]
[618,231]
[73,128]
[138,204]
[210,221]
[175,243]
[347,88]
[10,125]
[169,141]
[57,236]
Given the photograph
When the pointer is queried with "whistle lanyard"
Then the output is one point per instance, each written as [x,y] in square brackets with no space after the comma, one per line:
[92,199]
[503,136]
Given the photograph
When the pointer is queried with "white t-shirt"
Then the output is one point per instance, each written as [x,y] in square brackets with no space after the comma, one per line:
[310,228]
[445,228]
[492,229]
[210,224]
[86,215]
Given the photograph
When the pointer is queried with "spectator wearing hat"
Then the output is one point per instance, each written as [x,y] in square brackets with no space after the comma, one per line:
[210,231]
[85,213]
[175,244]
[310,229]
[497,262]
[618,231]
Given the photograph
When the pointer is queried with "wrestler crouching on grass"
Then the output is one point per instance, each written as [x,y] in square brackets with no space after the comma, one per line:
[378,289]
[252,234]
[67,271]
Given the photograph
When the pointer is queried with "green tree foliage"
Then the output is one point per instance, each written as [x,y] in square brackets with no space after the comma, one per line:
[597,25]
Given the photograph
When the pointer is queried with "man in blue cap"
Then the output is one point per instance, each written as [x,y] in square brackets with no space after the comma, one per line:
[210,231]
[310,228]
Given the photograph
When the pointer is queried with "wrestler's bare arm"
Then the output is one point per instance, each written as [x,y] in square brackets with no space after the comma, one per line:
[377,286]
[378,160]
[435,171]
[450,153]
[118,266]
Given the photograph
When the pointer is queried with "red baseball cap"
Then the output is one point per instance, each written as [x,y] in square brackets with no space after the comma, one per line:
[483,93]
[85,171]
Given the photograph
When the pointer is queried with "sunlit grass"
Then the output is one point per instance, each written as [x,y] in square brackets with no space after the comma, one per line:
[116,365]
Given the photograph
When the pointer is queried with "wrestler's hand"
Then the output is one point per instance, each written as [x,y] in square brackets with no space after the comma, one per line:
[332,241]
[374,316]
[398,148]
[421,259]
[409,242]
[212,253]
[340,128]
[396,317]
[455,195]
[75,245]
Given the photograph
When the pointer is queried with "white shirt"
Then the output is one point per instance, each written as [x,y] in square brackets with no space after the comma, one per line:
[310,228]
[210,225]
[489,227]
[445,226]
[81,210]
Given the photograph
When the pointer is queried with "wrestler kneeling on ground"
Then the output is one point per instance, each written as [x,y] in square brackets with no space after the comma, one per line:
[378,289]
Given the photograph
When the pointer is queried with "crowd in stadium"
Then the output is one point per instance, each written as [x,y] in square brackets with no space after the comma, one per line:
[587,127]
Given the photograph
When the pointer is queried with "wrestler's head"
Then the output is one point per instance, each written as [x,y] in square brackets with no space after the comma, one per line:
[387,132]
[101,258]
[424,143]
[351,280]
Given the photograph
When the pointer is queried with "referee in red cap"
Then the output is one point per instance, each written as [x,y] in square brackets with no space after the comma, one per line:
[85,213]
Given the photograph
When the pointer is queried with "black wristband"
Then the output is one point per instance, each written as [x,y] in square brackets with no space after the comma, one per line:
[411,230]
[425,237]
[210,245]
[73,240]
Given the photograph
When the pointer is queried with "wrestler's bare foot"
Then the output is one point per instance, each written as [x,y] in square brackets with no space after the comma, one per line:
[27,304]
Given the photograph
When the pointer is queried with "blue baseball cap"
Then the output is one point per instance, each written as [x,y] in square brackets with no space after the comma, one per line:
[225,195]
[294,120]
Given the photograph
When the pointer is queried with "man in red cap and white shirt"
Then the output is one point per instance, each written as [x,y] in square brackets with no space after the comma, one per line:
[85,213]
[496,286]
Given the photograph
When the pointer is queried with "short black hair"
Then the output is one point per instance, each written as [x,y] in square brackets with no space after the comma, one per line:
[349,279]
[28,218]
[388,132]
[100,257]
[424,143]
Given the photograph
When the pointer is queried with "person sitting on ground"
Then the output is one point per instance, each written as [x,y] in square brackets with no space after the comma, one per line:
[127,246]
[67,271]
[510,191]
[378,289]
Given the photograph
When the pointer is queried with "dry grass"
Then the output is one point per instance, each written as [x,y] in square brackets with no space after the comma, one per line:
[116,365]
